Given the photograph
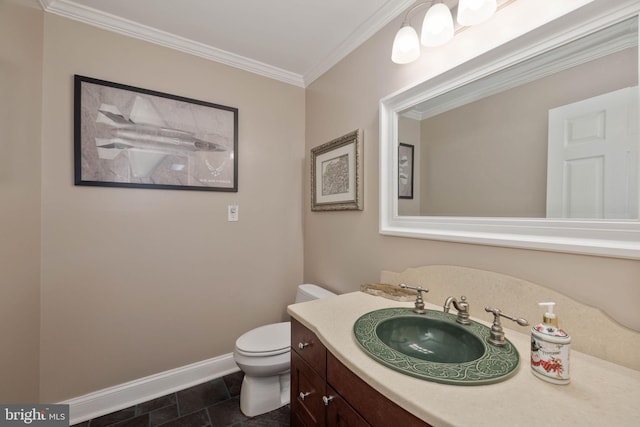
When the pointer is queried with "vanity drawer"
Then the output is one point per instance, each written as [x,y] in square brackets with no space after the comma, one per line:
[374,408]
[306,344]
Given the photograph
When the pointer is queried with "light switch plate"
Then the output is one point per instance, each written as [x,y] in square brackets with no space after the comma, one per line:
[232,213]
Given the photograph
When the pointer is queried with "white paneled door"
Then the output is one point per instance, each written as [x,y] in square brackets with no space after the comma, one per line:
[592,166]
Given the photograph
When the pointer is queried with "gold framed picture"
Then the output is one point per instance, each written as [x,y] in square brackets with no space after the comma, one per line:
[336,174]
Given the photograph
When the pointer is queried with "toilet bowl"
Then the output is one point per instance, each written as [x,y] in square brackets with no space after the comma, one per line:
[263,354]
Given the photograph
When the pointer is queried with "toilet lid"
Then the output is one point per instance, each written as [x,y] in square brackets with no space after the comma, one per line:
[272,338]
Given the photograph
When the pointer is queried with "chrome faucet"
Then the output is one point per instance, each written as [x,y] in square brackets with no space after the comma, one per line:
[419,304]
[496,336]
[461,307]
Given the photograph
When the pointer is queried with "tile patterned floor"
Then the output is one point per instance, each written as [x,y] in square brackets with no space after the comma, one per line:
[215,403]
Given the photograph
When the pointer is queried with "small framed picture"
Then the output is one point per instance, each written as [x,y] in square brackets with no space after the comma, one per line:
[336,174]
[405,171]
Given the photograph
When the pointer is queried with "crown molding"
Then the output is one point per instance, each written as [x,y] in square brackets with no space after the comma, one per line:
[72,10]
[96,18]
[363,33]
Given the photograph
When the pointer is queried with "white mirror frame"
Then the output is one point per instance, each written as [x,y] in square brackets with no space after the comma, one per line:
[613,238]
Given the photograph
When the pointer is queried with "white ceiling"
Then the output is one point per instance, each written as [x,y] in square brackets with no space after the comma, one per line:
[294,41]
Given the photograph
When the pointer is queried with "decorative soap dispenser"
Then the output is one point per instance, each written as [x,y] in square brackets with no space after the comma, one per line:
[550,348]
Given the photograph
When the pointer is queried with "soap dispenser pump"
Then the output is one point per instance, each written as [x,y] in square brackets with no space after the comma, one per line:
[550,348]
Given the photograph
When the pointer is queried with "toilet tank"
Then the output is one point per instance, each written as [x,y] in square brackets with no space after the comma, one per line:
[309,292]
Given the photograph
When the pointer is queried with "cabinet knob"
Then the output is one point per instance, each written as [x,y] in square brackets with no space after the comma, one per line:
[303,395]
[302,345]
[327,399]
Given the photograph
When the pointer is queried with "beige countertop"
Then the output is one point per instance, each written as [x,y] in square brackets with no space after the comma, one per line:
[600,392]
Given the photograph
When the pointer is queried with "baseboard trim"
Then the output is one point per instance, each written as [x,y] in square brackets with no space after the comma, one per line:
[122,396]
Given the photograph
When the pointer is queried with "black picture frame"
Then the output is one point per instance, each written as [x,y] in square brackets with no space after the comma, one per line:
[126,136]
[405,171]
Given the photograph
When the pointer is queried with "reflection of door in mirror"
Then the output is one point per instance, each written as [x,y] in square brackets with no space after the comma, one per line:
[488,158]
[592,170]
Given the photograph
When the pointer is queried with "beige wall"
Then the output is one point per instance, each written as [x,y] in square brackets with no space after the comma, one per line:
[20,99]
[138,281]
[345,250]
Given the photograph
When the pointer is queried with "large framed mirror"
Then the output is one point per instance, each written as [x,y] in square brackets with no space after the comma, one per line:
[534,145]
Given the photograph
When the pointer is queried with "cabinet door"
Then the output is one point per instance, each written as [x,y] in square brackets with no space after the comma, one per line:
[340,413]
[307,389]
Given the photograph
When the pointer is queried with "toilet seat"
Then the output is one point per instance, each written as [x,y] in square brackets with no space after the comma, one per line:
[268,340]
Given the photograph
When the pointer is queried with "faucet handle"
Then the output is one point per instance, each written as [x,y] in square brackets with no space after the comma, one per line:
[496,337]
[419,304]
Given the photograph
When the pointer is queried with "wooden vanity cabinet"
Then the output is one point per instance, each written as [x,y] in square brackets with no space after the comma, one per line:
[318,376]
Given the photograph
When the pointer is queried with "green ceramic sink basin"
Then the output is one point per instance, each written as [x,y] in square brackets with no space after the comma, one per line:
[430,339]
[434,347]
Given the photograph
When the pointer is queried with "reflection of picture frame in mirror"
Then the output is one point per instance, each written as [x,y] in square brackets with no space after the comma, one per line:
[405,171]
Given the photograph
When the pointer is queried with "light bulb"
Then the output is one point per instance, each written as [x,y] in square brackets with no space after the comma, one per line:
[437,27]
[475,4]
[406,46]
[474,12]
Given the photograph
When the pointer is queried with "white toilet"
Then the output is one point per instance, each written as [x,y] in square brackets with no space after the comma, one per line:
[264,356]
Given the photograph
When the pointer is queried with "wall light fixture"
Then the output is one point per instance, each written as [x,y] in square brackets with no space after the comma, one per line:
[437,26]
